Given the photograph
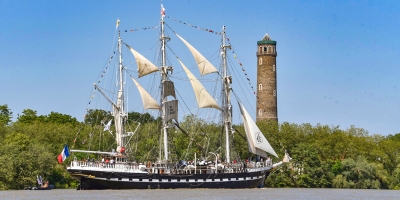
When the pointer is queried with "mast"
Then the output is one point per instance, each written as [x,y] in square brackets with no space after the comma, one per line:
[164,73]
[226,104]
[119,112]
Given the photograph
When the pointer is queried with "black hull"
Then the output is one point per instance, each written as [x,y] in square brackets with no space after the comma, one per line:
[117,180]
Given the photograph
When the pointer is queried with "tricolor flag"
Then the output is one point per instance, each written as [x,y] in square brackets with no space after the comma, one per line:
[63,155]
[162,11]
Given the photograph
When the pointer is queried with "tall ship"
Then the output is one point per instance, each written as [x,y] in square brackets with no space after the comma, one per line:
[177,160]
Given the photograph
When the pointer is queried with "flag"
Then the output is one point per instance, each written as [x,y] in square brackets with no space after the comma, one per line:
[162,11]
[63,155]
[107,126]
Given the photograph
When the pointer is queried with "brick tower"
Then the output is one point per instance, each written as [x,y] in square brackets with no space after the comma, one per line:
[267,107]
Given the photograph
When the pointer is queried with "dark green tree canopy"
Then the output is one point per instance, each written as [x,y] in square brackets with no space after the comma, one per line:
[5,115]
[96,116]
[30,116]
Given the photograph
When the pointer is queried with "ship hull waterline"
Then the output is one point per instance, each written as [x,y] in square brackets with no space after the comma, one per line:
[98,180]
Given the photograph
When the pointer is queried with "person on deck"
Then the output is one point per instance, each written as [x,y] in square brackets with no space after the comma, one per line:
[112,162]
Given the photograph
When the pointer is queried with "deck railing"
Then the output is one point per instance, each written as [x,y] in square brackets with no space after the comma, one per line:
[156,169]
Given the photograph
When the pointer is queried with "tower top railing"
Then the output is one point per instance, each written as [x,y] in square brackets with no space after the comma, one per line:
[266,42]
[265,53]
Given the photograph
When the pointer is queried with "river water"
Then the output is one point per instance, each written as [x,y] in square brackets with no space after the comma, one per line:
[265,193]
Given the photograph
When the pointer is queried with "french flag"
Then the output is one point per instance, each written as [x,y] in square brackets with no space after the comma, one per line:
[64,154]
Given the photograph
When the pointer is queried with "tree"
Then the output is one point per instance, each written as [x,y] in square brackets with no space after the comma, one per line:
[28,116]
[22,160]
[96,116]
[358,173]
[395,137]
[312,171]
[5,115]
[141,118]
[395,184]
[55,117]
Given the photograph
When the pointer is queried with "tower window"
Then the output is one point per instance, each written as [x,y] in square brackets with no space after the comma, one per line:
[260,50]
[273,67]
[274,92]
[260,87]
[265,49]
[260,112]
[260,61]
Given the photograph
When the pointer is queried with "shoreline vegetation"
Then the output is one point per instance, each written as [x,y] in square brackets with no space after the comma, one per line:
[323,156]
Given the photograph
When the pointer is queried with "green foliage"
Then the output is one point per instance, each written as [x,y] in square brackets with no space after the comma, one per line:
[337,168]
[322,156]
[312,171]
[395,184]
[29,147]
[55,117]
[5,115]
[30,116]
[326,156]
[395,137]
[359,171]
[94,117]
[22,160]
[141,118]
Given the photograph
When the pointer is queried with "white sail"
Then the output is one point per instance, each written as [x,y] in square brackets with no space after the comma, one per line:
[252,148]
[204,65]
[144,66]
[258,144]
[148,101]
[204,99]
[118,125]
[170,110]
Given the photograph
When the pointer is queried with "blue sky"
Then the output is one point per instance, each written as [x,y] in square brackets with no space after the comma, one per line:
[338,61]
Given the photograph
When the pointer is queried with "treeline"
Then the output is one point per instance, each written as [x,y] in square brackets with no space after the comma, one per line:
[329,157]
[322,156]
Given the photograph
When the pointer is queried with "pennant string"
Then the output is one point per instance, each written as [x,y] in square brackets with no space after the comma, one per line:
[139,29]
[193,26]
[240,63]
[218,33]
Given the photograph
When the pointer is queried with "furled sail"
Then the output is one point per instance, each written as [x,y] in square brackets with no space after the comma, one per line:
[204,99]
[168,89]
[144,66]
[118,119]
[148,101]
[170,109]
[204,65]
[258,144]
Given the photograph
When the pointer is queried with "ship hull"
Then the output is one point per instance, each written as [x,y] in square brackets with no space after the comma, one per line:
[117,180]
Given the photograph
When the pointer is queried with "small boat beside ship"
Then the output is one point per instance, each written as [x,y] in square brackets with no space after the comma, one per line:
[41,185]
